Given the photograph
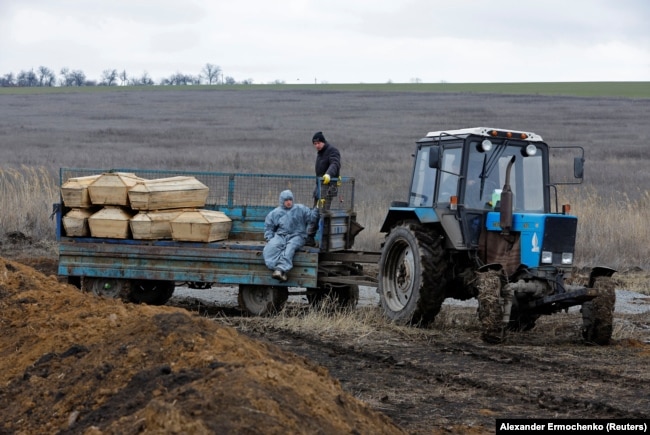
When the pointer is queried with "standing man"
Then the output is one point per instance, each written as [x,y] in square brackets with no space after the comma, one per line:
[328,166]
[285,230]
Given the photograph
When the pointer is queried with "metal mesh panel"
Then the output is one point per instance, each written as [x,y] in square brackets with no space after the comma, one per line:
[235,190]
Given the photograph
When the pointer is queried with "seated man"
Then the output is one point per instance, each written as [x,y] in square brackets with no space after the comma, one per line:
[285,231]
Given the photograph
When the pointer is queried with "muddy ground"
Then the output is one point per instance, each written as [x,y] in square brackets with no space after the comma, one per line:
[73,363]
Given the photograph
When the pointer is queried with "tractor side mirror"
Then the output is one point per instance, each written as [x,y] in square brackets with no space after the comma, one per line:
[578,167]
[434,157]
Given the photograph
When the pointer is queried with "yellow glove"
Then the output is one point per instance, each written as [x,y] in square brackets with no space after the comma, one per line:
[339,181]
[321,203]
[326,179]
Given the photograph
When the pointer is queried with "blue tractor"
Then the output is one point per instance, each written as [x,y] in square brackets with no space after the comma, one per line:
[482,221]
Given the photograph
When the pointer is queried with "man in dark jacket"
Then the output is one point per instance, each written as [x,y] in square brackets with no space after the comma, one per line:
[328,166]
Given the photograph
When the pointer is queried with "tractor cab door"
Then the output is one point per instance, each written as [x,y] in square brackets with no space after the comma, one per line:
[450,168]
[424,178]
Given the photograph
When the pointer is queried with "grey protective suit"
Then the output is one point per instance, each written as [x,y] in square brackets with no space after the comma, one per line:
[285,230]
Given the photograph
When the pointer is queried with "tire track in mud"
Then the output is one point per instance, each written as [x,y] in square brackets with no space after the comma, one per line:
[475,383]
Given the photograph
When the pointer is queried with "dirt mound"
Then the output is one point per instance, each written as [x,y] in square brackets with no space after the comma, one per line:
[73,363]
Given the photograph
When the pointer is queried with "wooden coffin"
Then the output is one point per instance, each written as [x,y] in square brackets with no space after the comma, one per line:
[112,188]
[75,191]
[75,222]
[201,226]
[111,222]
[168,193]
[153,225]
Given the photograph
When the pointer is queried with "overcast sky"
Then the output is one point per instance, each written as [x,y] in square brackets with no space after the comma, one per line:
[333,41]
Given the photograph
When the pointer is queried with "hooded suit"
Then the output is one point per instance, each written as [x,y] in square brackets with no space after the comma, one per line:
[285,230]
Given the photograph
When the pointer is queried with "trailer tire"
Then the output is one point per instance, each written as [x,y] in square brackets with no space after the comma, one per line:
[598,313]
[412,274]
[261,300]
[151,292]
[111,288]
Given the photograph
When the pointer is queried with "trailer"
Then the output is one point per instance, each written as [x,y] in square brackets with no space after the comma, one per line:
[148,271]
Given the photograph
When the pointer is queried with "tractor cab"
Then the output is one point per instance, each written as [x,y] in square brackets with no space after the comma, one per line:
[479,183]
[468,168]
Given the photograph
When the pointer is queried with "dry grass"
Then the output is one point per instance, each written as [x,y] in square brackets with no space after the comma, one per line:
[26,198]
[367,324]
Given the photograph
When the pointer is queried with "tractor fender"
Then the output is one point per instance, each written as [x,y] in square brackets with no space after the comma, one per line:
[396,215]
[400,212]
[599,271]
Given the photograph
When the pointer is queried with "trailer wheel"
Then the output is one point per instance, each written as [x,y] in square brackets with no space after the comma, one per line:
[151,292]
[598,313]
[260,300]
[111,288]
[411,274]
[345,296]
[490,306]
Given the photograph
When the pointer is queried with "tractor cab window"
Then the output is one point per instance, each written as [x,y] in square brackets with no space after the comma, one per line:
[423,180]
[486,176]
[449,173]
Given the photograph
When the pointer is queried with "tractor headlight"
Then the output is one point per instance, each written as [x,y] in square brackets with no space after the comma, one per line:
[531,150]
[567,258]
[547,257]
[486,145]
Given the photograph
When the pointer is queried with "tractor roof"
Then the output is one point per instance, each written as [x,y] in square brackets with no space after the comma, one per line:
[488,132]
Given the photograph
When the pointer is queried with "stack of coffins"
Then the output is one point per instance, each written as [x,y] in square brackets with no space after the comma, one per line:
[164,208]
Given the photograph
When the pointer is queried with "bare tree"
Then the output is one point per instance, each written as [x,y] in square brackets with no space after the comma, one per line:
[27,78]
[124,78]
[211,73]
[144,80]
[109,77]
[66,78]
[73,78]
[45,76]
[79,77]
[179,79]
[7,80]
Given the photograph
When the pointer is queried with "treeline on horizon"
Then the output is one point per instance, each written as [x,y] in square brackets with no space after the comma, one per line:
[45,77]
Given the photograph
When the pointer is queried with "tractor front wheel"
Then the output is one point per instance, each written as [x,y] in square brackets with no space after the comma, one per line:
[490,306]
[598,313]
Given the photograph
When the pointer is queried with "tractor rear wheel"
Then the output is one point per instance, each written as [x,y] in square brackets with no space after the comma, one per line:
[598,313]
[261,300]
[411,274]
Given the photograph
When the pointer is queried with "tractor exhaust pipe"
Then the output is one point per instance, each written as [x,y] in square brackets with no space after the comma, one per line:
[506,202]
